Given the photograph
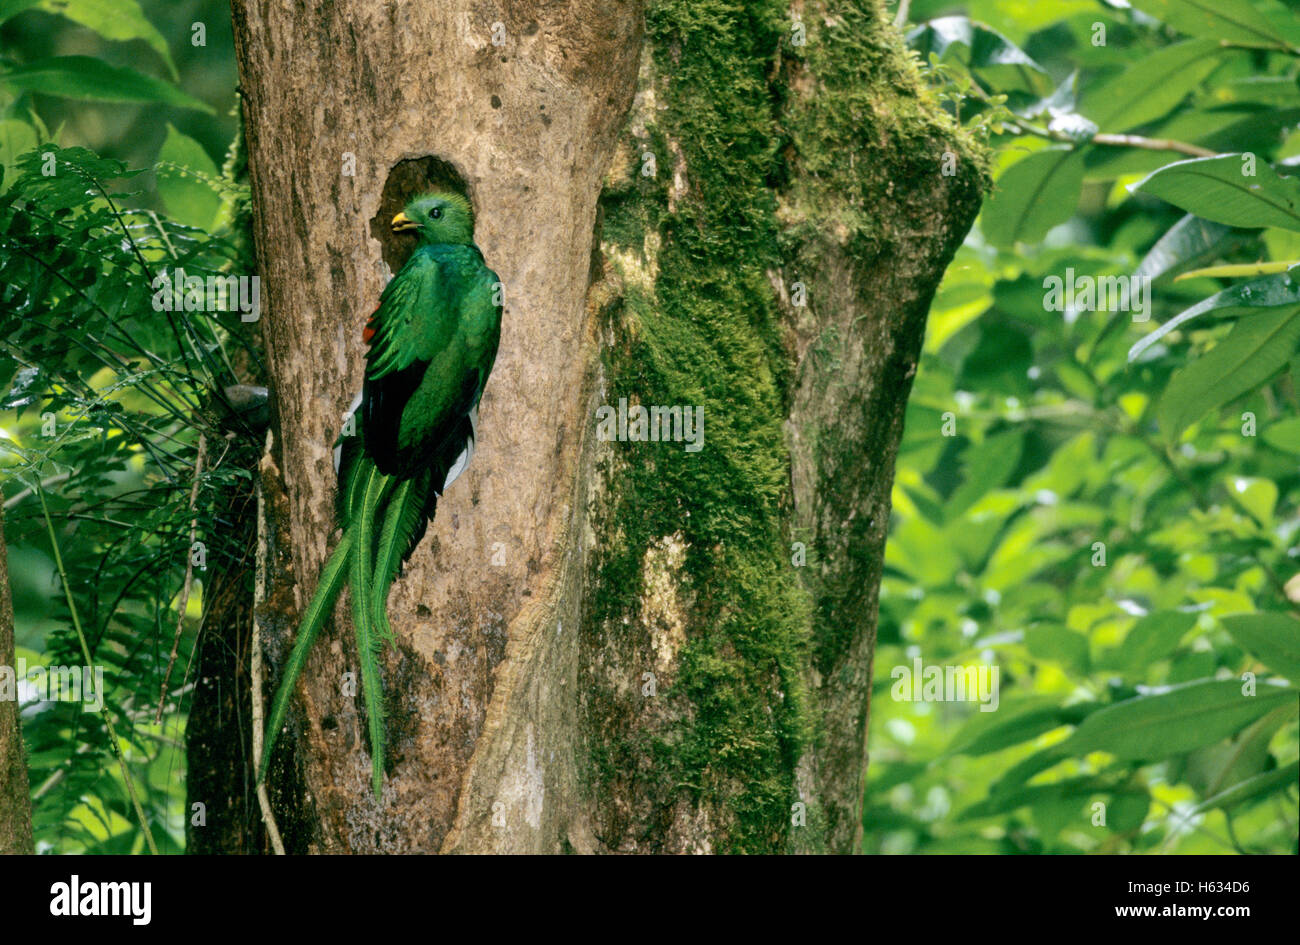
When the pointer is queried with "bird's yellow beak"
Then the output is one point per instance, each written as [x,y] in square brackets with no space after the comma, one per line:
[403,224]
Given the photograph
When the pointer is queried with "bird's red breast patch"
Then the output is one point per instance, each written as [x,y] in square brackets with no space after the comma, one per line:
[369,331]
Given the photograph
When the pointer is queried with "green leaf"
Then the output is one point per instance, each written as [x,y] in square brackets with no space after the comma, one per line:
[1219,766]
[984,51]
[1071,789]
[1151,87]
[1284,435]
[1272,637]
[84,77]
[1152,638]
[1186,243]
[1256,349]
[1127,810]
[1261,785]
[1257,496]
[1274,91]
[9,8]
[1246,298]
[1178,720]
[182,167]
[16,137]
[1233,20]
[1058,644]
[119,20]
[987,732]
[1216,189]
[1033,195]
[1281,15]
[988,465]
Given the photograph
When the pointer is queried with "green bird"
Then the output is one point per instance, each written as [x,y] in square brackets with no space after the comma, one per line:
[432,343]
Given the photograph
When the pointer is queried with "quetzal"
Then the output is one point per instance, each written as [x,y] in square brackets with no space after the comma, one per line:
[431,345]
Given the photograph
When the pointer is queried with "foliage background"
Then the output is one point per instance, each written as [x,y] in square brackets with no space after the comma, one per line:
[1120,682]
[108,400]
[1063,440]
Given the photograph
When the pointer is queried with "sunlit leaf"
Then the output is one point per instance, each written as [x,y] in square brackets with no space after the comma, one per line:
[986,52]
[1260,786]
[1245,299]
[1273,637]
[1151,727]
[1152,86]
[84,77]
[1234,20]
[1152,638]
[184,170]
[1032,196]
[1218,189]
[1257,348]
[114,19]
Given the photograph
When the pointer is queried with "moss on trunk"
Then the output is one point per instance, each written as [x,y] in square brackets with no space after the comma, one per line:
[761,162]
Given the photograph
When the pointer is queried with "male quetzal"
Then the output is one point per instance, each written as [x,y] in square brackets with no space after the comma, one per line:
[432,343]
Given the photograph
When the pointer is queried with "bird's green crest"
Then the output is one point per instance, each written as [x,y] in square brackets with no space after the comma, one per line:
[437,217]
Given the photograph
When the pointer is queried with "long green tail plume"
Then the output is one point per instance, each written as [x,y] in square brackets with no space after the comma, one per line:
[368,640]
[322,602]
[402,519]
[365,498]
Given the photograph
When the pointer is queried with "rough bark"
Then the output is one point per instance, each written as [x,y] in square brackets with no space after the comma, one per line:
[776,269]
[218,736]
[605,646]
[15,802]
[528,127]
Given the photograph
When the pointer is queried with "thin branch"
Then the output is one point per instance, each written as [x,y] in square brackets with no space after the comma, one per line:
[85,652]
[259,595]
[189,574]
[1152,144]
[18,497]
[1118,141]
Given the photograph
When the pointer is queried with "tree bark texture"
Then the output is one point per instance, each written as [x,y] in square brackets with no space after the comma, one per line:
[15,803]
[605,645]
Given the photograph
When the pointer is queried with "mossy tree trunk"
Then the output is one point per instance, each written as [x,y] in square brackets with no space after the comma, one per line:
[15,805]
[738,207]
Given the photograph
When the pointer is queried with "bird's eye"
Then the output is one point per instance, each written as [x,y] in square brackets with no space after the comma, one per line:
[435,213]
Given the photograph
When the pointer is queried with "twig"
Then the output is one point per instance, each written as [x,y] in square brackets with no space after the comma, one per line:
[259,595]
[1118,141]
[1152,144]
[19,496]
[189,574]
[85,652]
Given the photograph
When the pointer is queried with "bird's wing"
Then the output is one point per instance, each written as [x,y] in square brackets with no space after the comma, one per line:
[414,321]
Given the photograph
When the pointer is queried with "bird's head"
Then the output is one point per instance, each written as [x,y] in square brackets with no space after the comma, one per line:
[437,218]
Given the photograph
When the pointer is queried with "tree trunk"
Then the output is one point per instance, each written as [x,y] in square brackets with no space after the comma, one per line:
[605,645]
[15,802]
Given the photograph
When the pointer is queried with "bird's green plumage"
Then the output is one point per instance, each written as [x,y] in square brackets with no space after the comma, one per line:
[363,617]
[405,514]
[432,344]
